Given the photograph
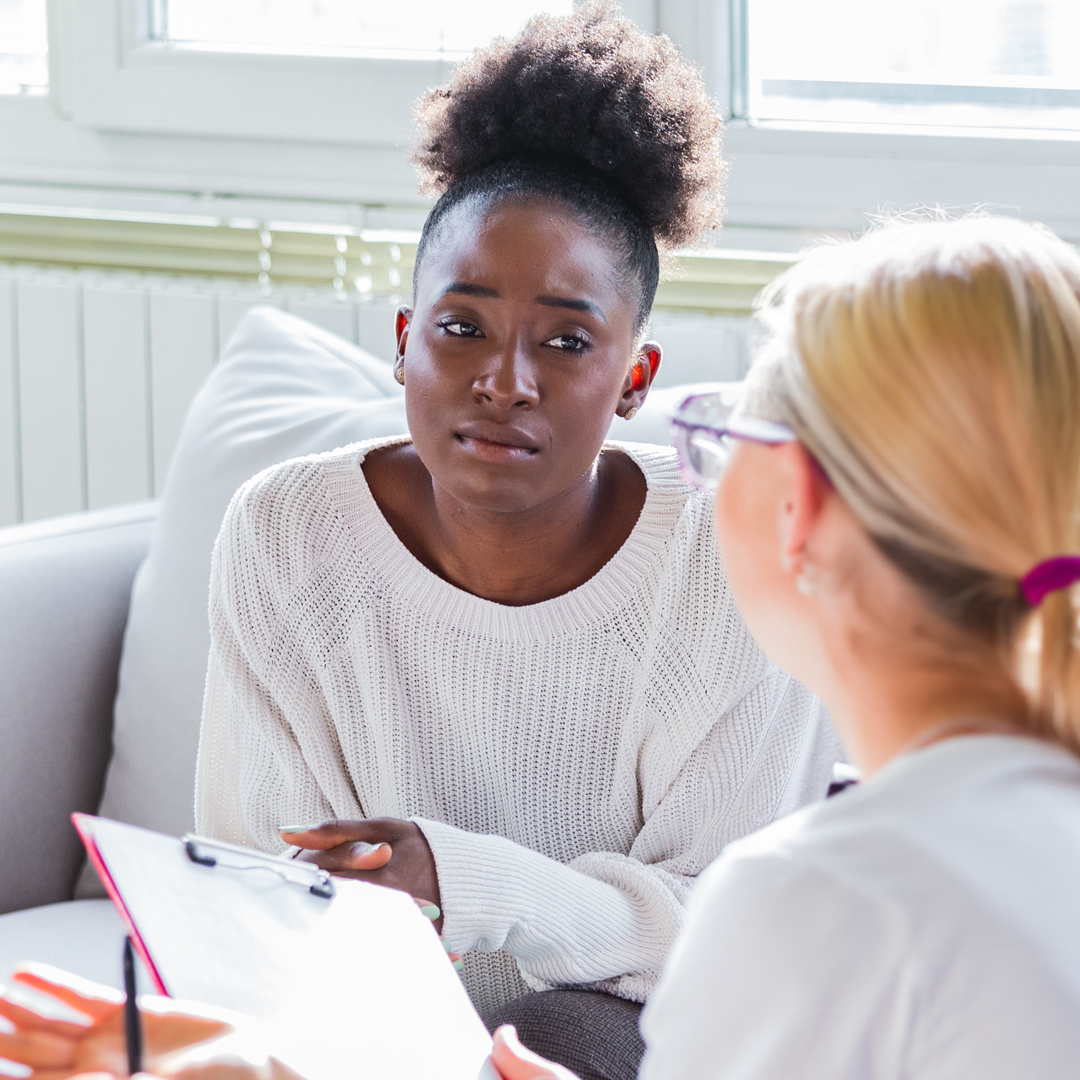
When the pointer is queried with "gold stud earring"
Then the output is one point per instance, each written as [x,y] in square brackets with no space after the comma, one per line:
[630,413]
[399,373]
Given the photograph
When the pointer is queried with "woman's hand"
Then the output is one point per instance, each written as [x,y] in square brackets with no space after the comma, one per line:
[513,1061]
[401,859]
[54,1049]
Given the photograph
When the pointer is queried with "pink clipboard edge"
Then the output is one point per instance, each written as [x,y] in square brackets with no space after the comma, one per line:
[85,829]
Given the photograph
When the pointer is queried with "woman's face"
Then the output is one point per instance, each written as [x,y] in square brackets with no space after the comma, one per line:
[517,354]
[766,503]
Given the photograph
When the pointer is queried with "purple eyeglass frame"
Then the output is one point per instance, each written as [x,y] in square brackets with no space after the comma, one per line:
[1051,575]
[748,428]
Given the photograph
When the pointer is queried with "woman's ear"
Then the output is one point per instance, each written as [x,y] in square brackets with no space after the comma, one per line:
[402,322]
[640,377]
[806,492]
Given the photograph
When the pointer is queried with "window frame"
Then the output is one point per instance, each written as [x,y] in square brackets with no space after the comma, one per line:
[738,16]
[831,176]
[123,81]
[125,112]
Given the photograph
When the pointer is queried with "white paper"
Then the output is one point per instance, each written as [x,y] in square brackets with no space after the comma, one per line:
[359,985]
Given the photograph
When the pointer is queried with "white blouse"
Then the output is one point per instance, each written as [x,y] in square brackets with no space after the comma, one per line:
[923,926]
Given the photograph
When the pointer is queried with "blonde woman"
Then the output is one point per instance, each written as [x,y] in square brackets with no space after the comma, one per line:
[899,510]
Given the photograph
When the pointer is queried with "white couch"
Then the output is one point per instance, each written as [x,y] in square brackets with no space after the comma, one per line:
[64,589]
[103,636]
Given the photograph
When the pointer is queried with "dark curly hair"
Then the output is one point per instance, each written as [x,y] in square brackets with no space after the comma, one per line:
[588,110]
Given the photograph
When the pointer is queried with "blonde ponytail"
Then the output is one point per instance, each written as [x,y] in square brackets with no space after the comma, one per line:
[933,369]
[1056,689]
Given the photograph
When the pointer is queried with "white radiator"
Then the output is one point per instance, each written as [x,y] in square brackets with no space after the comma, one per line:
[97,370]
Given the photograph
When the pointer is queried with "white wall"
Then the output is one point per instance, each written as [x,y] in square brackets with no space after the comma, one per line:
[702,348]
[97,371]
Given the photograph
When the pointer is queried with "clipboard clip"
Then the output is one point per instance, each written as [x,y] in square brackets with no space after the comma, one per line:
[212,853]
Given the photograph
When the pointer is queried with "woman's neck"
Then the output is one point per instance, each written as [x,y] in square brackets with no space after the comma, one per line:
[888,704]
[517,558]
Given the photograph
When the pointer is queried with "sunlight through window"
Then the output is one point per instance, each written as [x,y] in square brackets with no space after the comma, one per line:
[283,26]
[24,47]
[962,63]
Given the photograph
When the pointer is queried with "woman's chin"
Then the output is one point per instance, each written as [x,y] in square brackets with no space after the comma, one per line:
[491,490]
[509,485]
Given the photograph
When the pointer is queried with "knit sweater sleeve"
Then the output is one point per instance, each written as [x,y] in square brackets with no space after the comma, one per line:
[246,756]
[251,776]
[609,920]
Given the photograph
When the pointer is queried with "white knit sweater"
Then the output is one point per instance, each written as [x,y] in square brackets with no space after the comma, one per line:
[574,764]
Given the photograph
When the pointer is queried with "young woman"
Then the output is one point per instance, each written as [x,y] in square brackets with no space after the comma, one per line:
[500,651]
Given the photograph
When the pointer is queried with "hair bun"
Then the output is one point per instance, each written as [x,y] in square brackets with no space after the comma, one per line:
[593,87]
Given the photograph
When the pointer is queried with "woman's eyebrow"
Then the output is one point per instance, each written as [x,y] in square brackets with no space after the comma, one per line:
[573,305]
[464,288]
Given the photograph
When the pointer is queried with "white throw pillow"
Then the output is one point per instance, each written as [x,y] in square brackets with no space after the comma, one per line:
[282,388]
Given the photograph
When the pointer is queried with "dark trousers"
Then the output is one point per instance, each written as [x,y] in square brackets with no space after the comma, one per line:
[594,1035]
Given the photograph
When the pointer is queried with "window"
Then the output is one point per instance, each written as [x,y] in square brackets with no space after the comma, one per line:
[332,72]
[942,63]
[24,47]
[283,110]
[289,26]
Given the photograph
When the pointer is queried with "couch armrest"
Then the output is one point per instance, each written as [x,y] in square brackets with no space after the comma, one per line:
[64,591]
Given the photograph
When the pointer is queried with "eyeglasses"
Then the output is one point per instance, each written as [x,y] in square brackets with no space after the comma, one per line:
[704,426]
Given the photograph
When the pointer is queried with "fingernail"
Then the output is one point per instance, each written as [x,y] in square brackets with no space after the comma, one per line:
[447,947]
[298,828]
[459,965]
[362,847]
[430,911]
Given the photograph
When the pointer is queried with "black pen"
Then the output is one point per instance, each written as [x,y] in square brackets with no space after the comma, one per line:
[132,1023]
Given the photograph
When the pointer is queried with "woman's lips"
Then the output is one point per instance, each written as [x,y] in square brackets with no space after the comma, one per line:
[495,452]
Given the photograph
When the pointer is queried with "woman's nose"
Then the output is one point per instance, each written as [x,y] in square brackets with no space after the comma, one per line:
[508,381]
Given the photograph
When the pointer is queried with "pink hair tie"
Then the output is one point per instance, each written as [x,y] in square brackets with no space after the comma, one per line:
[1048,576]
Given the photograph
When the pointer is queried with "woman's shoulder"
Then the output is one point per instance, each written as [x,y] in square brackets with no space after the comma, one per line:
[659,463]
[785,930]
[797,887]
[305,482]
[291,515]
[945,881]
[671,498]
[674,543]
[959,818]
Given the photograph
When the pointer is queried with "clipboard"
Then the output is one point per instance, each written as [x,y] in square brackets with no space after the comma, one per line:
[349,976]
